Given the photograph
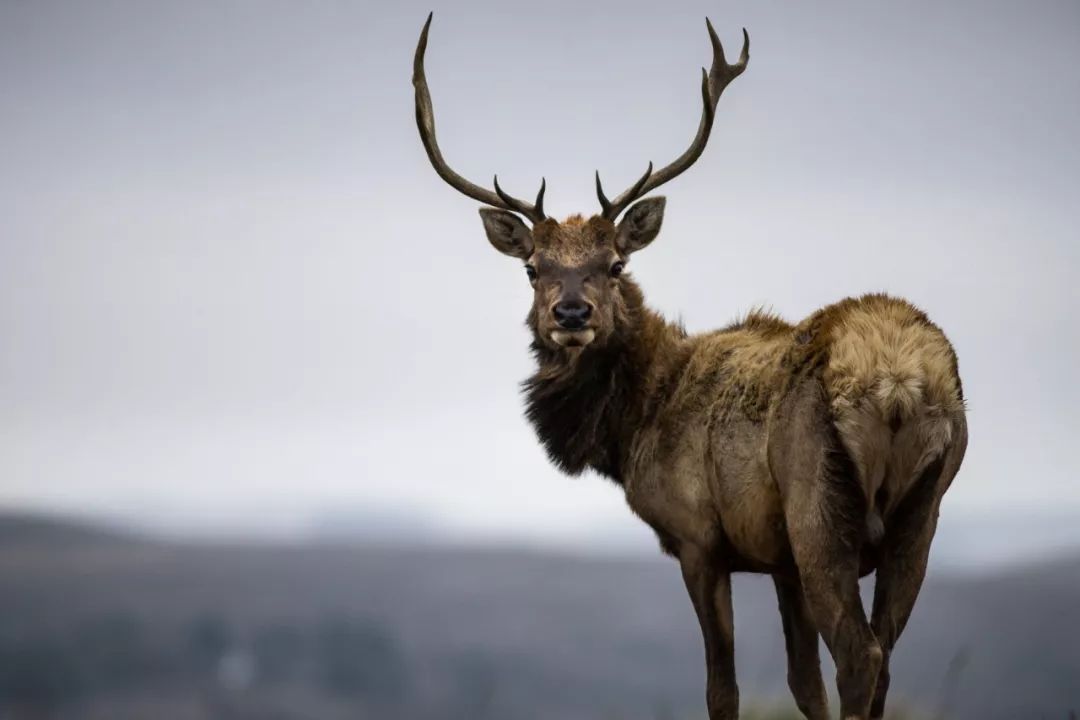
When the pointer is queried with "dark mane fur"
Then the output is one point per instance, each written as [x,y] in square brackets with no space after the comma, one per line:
[577,410]
[584,407]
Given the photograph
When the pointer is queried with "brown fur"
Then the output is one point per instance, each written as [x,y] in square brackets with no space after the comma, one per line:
[816,452]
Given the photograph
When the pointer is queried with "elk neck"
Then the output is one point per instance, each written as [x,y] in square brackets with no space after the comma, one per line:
[586,406]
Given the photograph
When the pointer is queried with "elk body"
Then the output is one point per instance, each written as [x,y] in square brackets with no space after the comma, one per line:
[816,452]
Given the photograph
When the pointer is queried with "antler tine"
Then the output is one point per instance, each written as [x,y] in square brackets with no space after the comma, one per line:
[611,210]
[605,204]
[713,83]
[538,206]
[425,122]
[524,208]
[720,74]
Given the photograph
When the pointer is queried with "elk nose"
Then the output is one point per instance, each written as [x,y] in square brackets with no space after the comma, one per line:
[572,314]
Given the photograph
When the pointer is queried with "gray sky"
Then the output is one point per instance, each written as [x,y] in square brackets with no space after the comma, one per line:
[232,289]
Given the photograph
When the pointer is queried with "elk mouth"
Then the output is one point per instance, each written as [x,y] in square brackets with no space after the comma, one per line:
[573,338]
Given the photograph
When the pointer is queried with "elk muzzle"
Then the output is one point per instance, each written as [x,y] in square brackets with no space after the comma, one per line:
[572,314]
[572,317]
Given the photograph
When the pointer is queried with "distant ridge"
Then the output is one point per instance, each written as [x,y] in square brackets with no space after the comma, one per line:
[40,529]
[529,620]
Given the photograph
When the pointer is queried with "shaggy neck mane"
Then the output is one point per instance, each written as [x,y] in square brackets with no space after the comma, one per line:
[585,405]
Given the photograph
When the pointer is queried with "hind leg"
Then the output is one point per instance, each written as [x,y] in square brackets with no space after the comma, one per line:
[904,553]
[829,571]
[801,640]
[825,513]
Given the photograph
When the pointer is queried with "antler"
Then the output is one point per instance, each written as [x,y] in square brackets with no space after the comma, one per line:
[712,85]
[425,121]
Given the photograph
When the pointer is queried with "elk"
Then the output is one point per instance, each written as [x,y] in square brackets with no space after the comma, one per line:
[817,452]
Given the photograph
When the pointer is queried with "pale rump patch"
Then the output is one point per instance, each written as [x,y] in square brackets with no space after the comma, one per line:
[885,350]
[892,384]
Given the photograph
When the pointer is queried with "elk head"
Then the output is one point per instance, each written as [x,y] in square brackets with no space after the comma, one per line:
[575,267]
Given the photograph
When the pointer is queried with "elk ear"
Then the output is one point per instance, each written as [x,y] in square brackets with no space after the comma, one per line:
[507,233]
[640,224]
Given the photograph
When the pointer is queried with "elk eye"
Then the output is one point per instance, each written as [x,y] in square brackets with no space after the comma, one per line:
[617,269]
[531,272]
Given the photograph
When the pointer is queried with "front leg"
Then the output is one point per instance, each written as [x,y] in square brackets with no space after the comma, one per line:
[710,592]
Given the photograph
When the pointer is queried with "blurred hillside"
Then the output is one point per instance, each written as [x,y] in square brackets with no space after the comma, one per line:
[96,623]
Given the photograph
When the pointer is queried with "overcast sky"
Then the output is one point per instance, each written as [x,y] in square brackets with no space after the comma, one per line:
[234,296]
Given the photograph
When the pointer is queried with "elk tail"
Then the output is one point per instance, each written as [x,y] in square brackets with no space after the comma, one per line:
[898,395]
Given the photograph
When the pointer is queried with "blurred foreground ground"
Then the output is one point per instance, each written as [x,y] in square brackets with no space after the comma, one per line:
[99,624]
